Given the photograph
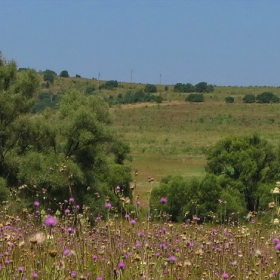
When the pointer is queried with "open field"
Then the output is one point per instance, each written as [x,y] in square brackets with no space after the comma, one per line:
[171,138]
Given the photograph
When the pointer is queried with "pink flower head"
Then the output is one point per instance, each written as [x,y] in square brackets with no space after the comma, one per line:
[50,221]
[108,205]
[133,222]
[277,247]
[121,265]
[172,259]
[71,200]
[225,276]
[163,200]
[36,203]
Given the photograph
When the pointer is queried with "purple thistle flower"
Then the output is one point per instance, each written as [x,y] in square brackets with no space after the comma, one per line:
[50,221]
[36,203]
[71,200]
[118,188]
[121,265]
[163,200]
[277,247]
[66,252]
[99,278]
[225,276]
[172,258]
[35,275]
[133,222]
[108,205]
[74,274]
[20,269]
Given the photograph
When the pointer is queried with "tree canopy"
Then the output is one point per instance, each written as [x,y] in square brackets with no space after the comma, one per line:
[56,155]
[248,164]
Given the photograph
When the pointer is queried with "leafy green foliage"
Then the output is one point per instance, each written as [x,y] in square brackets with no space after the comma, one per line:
[4,191]
[204,87]
[150,88]
[64,74]
[110,85]
[203,198]
[245,164]
[45,100]
[90,90]
[49,76]
[179,87]
[267,97]
[229,99]
[195,97]
[188,88]
[249,98]
[57,154]
[130,98]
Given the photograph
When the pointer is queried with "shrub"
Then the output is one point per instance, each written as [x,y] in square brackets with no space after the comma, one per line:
[150,88]
[195,97]
[249,98]
[203,87]
[64,74]
[229,99]
[267,97]
[49,76]
[89,90]
[110,85]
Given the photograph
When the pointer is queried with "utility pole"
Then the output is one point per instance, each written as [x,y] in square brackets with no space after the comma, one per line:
[131,75]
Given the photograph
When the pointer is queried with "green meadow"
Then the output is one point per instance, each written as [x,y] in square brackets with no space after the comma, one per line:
[171,137]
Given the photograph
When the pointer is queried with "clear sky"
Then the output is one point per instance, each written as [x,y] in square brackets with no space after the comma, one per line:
[223,43]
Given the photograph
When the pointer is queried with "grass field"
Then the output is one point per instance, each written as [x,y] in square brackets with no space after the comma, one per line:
[171,137]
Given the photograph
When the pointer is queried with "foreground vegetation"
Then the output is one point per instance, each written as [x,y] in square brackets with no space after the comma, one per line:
[64,245]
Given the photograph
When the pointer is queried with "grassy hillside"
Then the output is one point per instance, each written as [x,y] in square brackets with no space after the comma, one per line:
[171,137]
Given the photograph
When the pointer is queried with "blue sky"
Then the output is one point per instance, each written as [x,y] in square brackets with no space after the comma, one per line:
[234,43]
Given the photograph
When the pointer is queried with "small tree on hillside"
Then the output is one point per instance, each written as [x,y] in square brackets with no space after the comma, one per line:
[150,88]
[64,74]
[49,76]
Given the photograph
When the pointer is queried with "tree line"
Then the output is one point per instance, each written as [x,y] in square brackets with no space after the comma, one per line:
[54,155]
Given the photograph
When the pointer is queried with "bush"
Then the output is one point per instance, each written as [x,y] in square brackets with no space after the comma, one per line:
[64,74]
[249,98]
[195,97]
[4,191]
[179,87]
[89,90]
[110,85]
[229,99]
[203,87]
[267,97]
[150,88]
[49,76]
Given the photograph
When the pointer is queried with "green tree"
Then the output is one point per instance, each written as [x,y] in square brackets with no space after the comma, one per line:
[249,98]
[64,74]
[55,155]
[267,97]
[247,164]
[150,88]
[49,76]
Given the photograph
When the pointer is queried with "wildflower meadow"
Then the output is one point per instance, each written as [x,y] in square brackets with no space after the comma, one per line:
[40,244]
